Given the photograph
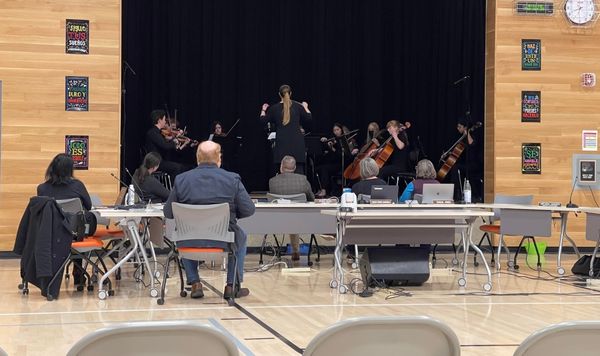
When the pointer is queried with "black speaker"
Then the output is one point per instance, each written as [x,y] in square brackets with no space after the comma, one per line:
[395,265]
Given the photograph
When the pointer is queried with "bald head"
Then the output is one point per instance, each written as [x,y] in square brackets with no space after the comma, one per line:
[209,152]
[288,164]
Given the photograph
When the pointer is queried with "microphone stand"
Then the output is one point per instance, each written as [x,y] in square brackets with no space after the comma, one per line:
[126,67]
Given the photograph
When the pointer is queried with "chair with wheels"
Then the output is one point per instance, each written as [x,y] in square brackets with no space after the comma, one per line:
[155,338]
[199,222]
[410,335]
[569,338]
[495,225]
[84,249]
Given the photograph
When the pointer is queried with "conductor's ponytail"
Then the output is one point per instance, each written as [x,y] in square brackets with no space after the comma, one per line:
[285,92]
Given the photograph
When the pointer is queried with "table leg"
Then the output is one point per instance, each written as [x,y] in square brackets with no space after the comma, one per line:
[563,236]
[462,281]
[146,262]
[131,226]
[486,286]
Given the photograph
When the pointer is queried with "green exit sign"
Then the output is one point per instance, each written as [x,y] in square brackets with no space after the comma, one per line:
[534,7]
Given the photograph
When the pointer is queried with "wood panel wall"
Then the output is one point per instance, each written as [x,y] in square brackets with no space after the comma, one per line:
[567,108]
[33,66]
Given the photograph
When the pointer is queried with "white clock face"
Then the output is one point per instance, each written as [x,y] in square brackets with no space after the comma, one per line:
[580,12]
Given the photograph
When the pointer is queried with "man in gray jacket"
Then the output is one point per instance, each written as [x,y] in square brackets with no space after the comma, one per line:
[209,184]
[288,183]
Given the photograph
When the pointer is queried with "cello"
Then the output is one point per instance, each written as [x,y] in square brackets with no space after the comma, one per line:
[451,156]
[381,155]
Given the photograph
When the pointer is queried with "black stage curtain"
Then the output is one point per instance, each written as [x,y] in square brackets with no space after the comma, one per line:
[352,61]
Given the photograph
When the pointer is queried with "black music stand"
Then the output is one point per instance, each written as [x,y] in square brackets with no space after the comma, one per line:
[314,149]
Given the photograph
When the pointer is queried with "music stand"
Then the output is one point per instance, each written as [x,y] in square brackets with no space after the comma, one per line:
[345,146]
[314,148]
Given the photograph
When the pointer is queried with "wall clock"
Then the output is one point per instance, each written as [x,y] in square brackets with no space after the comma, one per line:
[580,12]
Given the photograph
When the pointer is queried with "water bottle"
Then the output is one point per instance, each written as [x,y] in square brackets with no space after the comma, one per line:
[130,195]
[467,192]
[348,201]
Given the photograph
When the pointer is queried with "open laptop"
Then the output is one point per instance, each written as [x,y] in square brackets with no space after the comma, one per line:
[384,193]
[437,192]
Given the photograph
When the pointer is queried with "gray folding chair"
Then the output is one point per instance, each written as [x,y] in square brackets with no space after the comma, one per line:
[292,198]
[578,338]
[494,228]
[411,335]
[155,338]
[199,222]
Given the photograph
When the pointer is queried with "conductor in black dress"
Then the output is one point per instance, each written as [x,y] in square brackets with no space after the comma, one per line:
[286,117]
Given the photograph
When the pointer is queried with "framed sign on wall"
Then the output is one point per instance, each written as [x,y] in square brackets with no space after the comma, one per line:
[76,93]
[531,158]
[531,54]
[77,33]
[531,106]
[78,148]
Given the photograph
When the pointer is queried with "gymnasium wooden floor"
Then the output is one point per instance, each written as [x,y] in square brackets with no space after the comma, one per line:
[285,311]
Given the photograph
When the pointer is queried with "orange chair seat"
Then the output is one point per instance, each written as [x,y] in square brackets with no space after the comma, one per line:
[103,230]
[87,243]
[200,250]
[494,229]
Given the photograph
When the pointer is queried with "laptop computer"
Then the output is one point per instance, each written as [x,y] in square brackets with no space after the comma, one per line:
[437,192]
[384,193]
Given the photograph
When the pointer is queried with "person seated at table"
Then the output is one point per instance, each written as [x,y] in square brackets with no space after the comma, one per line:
[368,177]
[60,184]
[288,183]
[151,189]
[425,174]
[209,184]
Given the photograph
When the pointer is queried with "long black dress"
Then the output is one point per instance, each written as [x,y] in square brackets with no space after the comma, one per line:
[289,140]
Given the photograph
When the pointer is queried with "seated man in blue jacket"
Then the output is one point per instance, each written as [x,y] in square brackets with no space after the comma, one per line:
[209,184]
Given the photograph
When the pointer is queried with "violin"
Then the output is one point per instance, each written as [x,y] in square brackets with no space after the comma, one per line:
[380,153]
[451,156]
[174,133]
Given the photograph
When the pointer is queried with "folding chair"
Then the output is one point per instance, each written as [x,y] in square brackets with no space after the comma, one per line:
[496,228]
[200,222]
[411,335]
[578,338]
[155,338]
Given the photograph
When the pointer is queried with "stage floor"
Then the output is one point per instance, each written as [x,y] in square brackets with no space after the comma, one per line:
[286,310]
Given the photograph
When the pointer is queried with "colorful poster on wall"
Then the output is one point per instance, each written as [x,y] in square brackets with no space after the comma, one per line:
[531,158]
[531,54]
[77,36]
[78,148]
[531,106]
[589,140]
[76,93]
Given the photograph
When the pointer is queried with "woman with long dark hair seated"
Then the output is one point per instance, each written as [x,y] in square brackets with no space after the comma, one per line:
[60,184]
[152,189]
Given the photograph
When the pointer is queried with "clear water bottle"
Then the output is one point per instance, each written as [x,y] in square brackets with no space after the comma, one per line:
[467,192]
[130,195]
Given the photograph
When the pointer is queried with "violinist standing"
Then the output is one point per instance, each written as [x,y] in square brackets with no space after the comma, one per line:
[286,117]
[398,160]
[164,145]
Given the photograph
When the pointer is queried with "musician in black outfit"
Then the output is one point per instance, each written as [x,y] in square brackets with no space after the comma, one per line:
[151,189]
[286,117]
[331,162]
[164,146]
[397,162]
[469,164]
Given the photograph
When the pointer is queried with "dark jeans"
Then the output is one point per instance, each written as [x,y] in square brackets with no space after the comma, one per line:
[191,266]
